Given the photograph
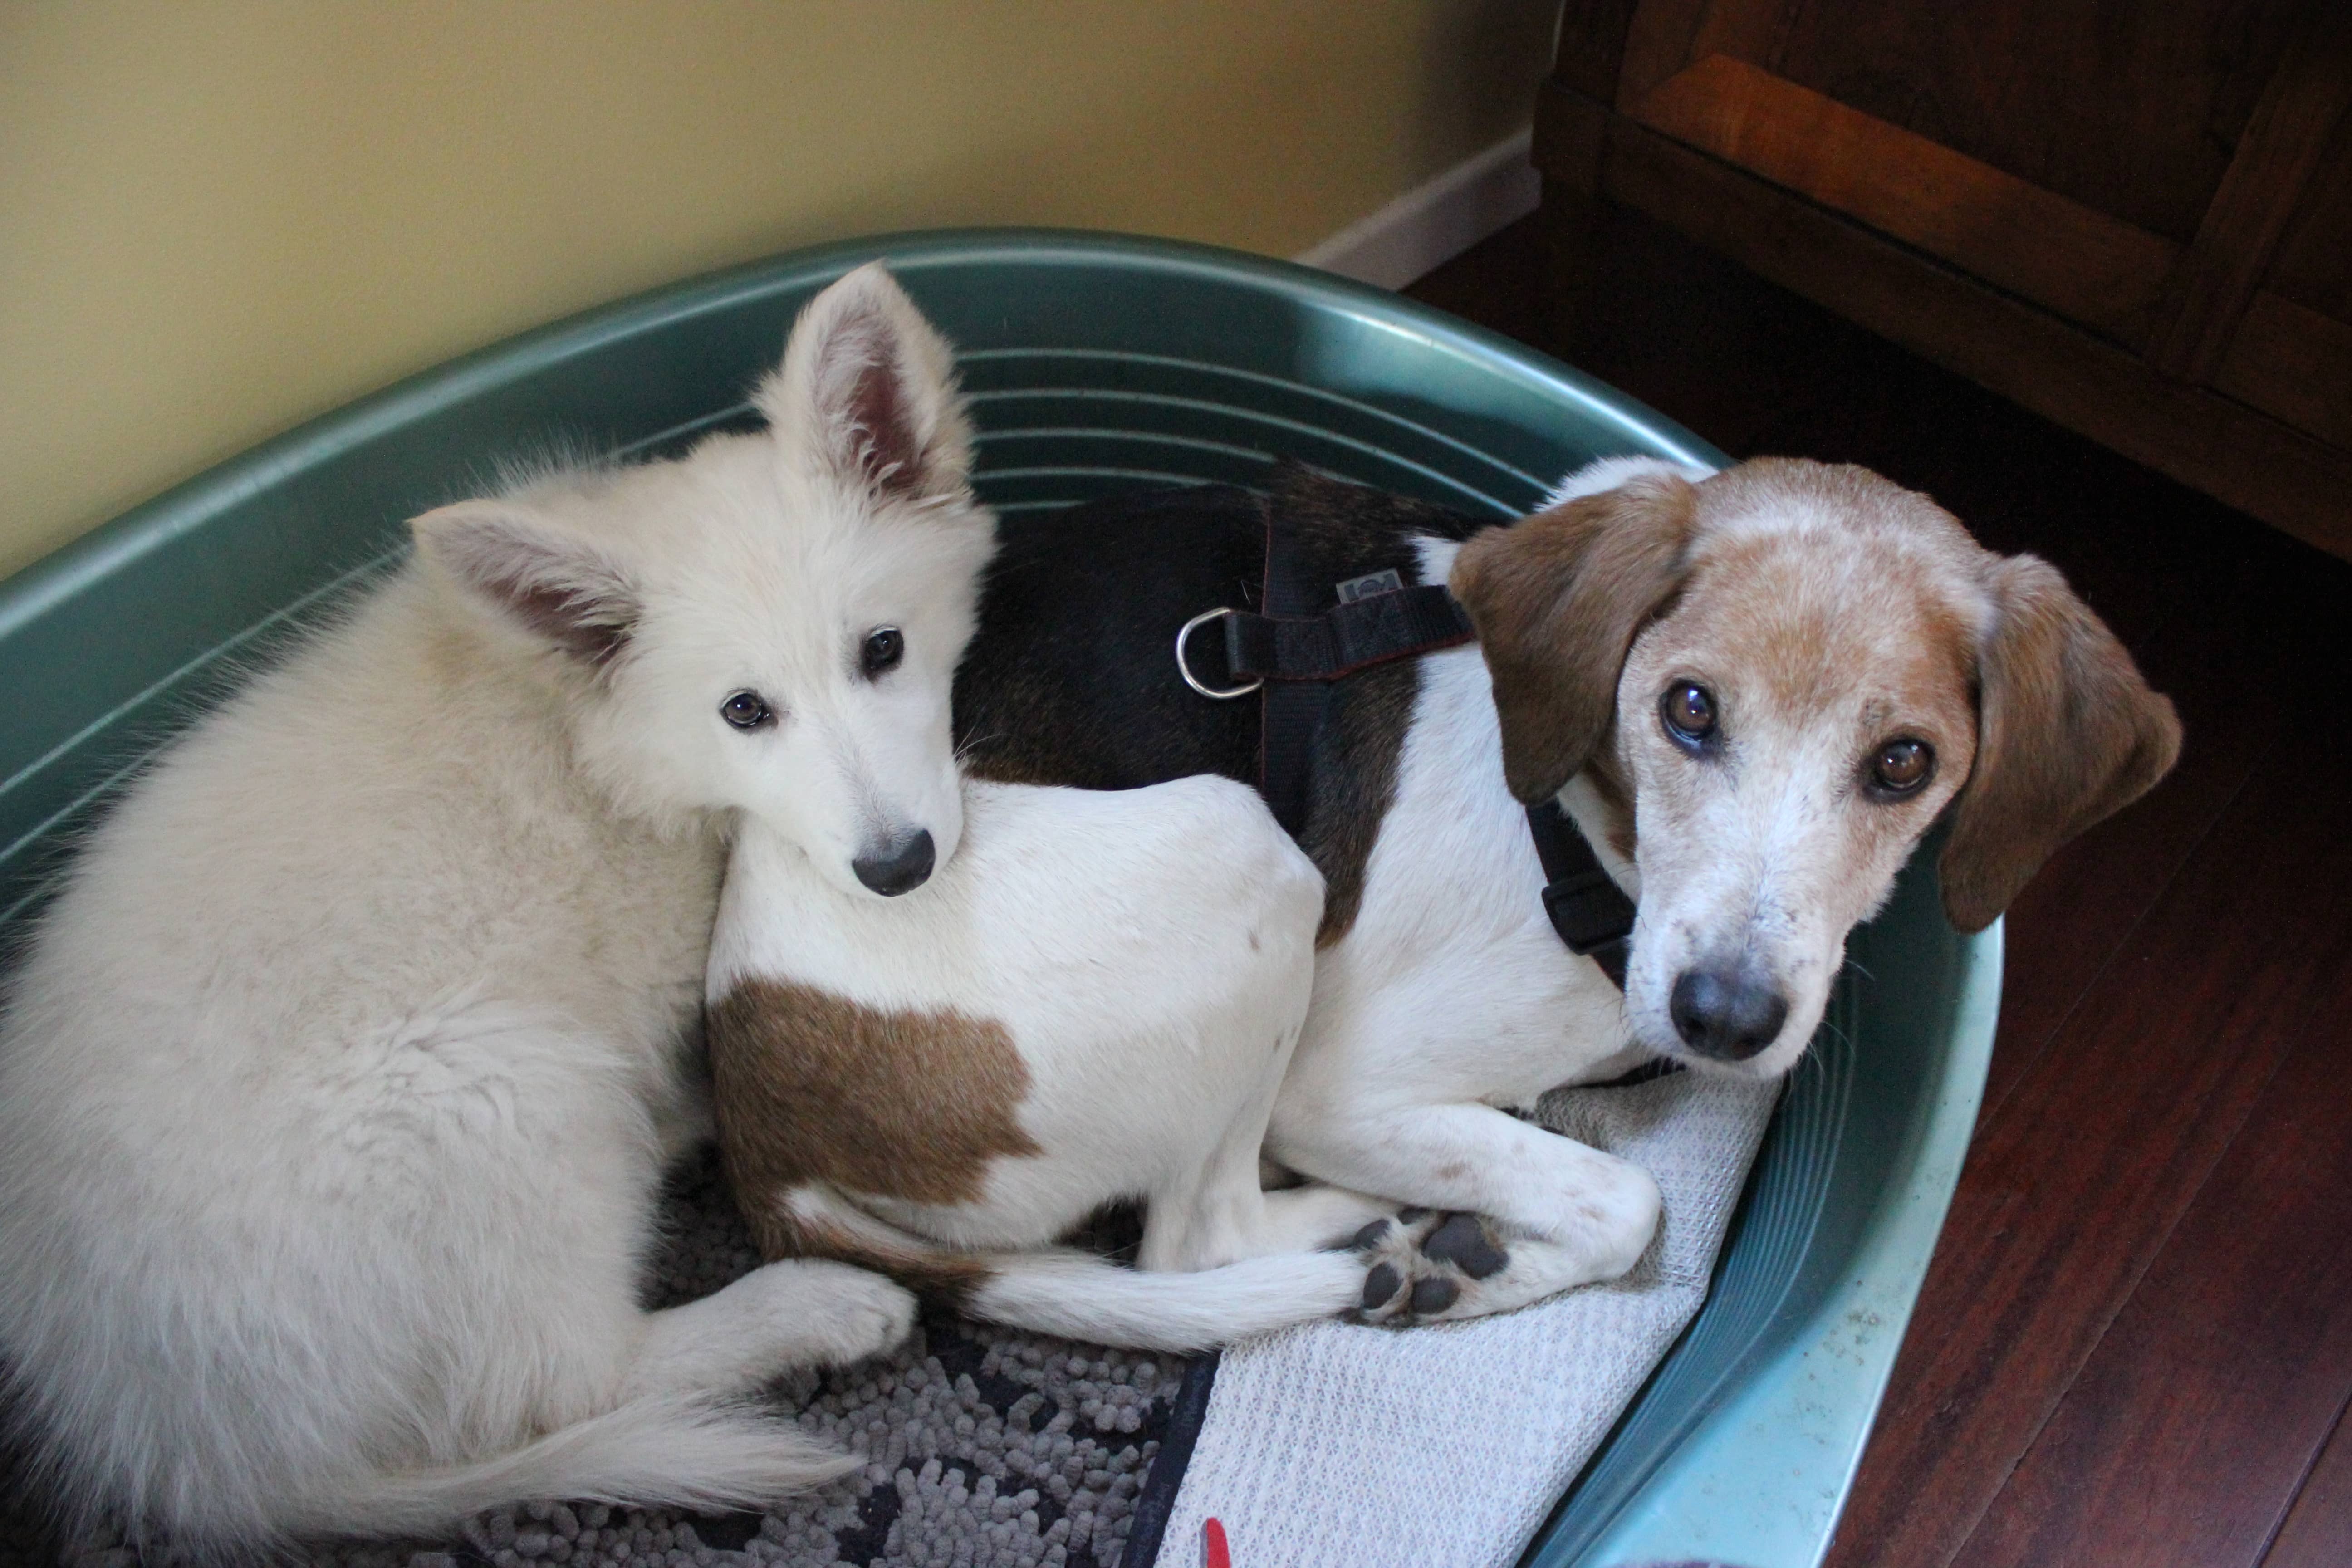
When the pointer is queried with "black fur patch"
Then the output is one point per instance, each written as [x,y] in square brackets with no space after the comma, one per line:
[1071,677]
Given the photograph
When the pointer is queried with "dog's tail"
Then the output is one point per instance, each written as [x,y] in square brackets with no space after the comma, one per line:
[1082,1296]
[1065,1291]
[668,1451]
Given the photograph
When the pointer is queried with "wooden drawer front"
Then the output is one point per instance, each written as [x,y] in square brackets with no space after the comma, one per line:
[2058,253]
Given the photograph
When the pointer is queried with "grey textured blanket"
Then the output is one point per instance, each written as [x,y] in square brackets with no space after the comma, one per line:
[1337,1443]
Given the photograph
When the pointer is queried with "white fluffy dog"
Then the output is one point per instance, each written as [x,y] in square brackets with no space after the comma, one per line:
[337,1087]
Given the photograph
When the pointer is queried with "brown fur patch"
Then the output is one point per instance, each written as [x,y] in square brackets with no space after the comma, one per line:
[2068,732]
[1557,600]
[813,1087]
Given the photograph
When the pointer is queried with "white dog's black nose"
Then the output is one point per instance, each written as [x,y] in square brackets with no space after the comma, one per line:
[898,869]
[1729,1016]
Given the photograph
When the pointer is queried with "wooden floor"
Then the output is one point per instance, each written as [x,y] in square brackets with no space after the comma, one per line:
[2135,1345]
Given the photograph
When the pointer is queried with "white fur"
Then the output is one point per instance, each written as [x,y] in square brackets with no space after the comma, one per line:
[335,1091]
[1149,953]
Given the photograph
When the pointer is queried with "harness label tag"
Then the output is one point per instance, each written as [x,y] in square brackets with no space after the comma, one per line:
[1369,585]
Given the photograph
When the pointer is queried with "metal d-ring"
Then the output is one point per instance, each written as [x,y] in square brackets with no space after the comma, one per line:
[1202,619]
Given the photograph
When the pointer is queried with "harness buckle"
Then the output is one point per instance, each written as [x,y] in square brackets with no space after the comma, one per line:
[1222,694]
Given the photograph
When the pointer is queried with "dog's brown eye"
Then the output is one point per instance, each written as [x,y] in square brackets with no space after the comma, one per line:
[885,647]
[1689,713]
[747,711]
[1901,766]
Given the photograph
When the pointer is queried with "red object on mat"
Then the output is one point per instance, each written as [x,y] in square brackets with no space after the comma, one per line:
[1218,1557]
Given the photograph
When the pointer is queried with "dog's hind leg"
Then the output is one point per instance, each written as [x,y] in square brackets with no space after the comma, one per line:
[1063,1291]
[1209,1224]
[1217,1211]
[799,1312]
[1222,1216]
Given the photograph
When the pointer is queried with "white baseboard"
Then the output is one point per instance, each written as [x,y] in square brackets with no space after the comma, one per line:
[1435,221]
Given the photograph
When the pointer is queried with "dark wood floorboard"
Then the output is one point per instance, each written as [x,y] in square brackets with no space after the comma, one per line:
[2229,1362]
[2082,1175]
[2136,1338]
[2318,1529]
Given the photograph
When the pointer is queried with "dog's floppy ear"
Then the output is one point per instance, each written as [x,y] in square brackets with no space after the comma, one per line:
[2067,732]
[866,394]
[1556,599]
[533,575]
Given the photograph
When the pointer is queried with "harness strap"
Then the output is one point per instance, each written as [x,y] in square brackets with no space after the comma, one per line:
[1292,655]
[1402,622]
[1294,709]
[1588,908]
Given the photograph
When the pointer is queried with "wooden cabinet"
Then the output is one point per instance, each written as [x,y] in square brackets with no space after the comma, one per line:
[2134,216]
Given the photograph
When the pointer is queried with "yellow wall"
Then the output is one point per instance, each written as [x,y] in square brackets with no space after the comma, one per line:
[219,218]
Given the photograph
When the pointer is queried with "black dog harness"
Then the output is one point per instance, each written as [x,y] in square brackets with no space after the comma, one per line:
[1293,657]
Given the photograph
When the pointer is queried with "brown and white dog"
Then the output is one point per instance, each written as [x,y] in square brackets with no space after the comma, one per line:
[1754,691]
[1081,1008]
[949,1020]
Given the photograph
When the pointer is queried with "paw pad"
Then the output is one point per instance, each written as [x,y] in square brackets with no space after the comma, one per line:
[1464,1242]
[1433,1295]
[1427,1265]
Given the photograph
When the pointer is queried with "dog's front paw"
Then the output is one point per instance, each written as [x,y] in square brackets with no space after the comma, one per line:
[1425,1268]
[1428,1268]
[1610,1227]
[853,1314]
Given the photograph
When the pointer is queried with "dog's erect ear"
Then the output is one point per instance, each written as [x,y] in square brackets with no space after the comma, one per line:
[1556,599]
[555,587]
[868,393]
[2067,732]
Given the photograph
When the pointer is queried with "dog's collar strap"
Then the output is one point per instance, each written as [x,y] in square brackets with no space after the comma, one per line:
[1588,908]
[1292,655]
[1399,623]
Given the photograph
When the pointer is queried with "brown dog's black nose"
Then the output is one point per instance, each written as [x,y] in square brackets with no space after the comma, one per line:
[1730,1016]
[899,869]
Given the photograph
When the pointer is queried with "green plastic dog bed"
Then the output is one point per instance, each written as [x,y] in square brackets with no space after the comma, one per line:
[1096,364]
